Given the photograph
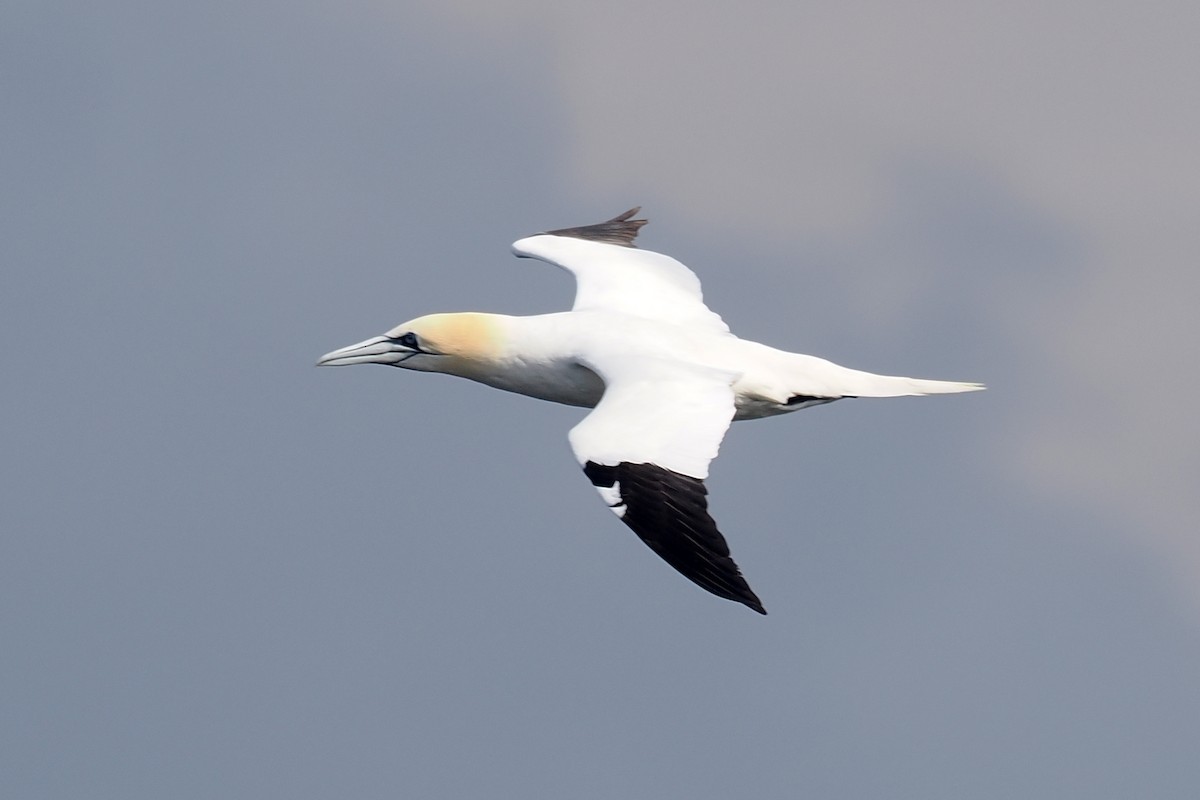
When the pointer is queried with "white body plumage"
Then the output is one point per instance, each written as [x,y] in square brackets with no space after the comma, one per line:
[663,373]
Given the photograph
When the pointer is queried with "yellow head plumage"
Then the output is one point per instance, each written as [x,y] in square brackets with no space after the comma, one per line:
[460,343]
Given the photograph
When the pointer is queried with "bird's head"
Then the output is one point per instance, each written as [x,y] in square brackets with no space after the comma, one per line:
[454,343]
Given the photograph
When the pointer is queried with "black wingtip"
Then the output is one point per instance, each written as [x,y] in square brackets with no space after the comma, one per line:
[669,512]
[620,230]
[744,595]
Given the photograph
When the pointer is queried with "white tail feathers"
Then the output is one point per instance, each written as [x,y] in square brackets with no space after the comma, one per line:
[894,386]
[811,377]
[947,387]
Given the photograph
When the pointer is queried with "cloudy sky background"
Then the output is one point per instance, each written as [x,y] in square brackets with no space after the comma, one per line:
[227,574]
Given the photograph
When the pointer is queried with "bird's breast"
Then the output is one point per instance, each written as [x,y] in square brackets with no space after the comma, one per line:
[564,381]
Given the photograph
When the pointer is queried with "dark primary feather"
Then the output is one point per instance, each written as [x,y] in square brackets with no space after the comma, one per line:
[669,512]
[619,230]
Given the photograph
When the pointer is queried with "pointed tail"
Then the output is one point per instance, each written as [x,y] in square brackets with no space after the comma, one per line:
[895,386]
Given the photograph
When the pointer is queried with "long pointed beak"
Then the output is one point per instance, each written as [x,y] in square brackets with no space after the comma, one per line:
[376,350]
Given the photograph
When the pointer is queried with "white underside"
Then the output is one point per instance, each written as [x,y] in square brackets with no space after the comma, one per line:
[553,349]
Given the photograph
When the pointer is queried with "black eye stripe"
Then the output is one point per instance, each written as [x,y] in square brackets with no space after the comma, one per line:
[408,340]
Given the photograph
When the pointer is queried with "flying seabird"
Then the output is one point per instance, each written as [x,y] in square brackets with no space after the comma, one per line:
[662,373]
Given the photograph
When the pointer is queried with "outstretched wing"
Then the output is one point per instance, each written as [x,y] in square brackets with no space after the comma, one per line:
[646,448]
[611,274]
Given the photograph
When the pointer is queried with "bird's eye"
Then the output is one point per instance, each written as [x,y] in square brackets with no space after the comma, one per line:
[409,340]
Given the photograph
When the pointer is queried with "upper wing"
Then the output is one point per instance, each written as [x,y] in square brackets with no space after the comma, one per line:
[613,275]
[646,448]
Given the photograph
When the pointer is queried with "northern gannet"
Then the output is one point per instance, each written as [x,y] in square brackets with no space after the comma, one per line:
[662,372]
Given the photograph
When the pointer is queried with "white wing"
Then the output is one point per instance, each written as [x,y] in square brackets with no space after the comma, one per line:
[612,275]
[646,448]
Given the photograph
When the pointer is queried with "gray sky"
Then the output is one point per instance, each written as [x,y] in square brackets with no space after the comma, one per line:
[228,574]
